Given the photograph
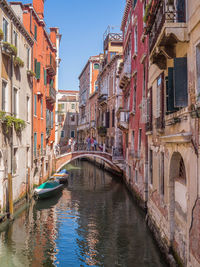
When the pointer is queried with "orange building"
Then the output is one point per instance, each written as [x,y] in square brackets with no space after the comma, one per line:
[44,82]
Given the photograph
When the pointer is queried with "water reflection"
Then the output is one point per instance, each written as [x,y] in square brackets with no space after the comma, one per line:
[92,222]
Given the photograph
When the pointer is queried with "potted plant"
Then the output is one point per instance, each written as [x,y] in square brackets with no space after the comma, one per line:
[18,62]
[1,35]
[31,73]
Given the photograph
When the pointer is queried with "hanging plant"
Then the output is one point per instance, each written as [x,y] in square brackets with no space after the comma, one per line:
[18,62]
[19,125]
[2,115]
[31,73]
[10,121]
[1,35]
[10,48]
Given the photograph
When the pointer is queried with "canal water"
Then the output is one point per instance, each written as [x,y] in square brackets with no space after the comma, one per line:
[92,222]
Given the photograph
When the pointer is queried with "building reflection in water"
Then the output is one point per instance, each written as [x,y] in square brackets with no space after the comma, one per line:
[93,222]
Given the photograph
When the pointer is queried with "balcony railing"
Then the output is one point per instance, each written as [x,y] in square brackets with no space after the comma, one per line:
[160,124]
[39,153]
[159,13]
[113,37]
[102,98]
[123,120]
[51,64]
[125,74]
[51,95]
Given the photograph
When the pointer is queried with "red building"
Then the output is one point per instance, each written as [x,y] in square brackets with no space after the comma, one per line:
[44,94]
[133,82]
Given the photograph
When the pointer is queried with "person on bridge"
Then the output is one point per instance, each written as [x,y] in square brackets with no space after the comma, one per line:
[92,143]
[88,143]
[95,144]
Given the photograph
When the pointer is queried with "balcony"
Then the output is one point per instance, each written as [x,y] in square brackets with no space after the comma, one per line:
[114,38]
[51,95]
[149,126]
[123,120]
[38,153]
[102,131]
[166,25]
[160,124]
[50,65]
[125,76]
[102,99]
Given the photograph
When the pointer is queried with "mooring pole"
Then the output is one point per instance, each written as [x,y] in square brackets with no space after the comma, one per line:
[10,194]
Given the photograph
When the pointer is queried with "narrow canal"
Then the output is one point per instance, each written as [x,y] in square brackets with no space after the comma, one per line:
[92,222]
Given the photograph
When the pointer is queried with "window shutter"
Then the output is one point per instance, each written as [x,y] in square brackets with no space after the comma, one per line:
[35,34]
[107,119]
[35,65]
[38,70]
[180,82]
[113,118]
[170,91]
[45,77]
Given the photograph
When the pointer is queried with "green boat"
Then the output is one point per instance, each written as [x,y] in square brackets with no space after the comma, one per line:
[47,189]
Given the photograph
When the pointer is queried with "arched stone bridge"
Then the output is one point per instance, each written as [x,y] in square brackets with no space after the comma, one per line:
[66,158]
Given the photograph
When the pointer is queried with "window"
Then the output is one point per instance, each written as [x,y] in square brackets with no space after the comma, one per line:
[133,139]
[35,32]
[62,106]
[96,66]
[62,134]
[5,30]
[35,144]
[28,58]
[134,95]
[198,70]
[136,40]
[27,108]
[136,176]
[73,106]
[45,77]
[15,102]
[35,104]
[151,166]
[144,80]
[41,108]
[72,134]
[15,38]
[42,141]
[126,139]
[139,140]
[113,118]
[162,174]
[72,118]
[112,54]
[158,100]
[96,86]
[4,103]
[15,160]
[51,119]
[134,2]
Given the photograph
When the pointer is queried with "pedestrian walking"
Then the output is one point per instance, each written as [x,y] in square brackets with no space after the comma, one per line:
[92,143]
[95,144]
[88,143]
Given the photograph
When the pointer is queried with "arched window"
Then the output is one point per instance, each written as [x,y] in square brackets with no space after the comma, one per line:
[96,66]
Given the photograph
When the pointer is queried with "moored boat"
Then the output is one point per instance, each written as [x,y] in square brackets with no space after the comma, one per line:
[61,176]
[47,189]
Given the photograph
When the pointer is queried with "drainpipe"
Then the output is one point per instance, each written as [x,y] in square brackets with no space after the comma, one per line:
[10,170]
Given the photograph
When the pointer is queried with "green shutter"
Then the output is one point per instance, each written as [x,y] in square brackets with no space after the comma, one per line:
[180,82]
[45,77]
[38,71]
[35,33]
[35,65]
[35,143]
[170,91]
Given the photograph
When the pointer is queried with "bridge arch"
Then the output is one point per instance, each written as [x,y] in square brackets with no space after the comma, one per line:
[64,159]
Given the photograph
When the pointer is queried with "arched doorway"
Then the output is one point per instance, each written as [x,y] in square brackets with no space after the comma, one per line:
[178,203]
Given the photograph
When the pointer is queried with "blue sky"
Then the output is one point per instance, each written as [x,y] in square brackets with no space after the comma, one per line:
[82,24]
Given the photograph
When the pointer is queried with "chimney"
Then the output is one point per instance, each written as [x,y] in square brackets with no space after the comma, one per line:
[38,5]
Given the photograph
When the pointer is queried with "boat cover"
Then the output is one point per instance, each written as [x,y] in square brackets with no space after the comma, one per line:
[48,185]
